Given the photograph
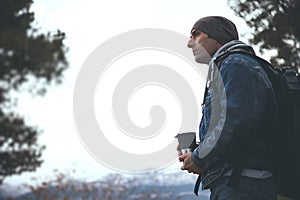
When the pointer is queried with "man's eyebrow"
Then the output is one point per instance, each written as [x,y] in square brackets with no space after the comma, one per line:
[193,31]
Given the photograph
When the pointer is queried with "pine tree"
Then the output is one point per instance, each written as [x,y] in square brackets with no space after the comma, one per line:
[276,27]
[25,56]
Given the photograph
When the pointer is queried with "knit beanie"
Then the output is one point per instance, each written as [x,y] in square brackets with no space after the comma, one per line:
[218,28]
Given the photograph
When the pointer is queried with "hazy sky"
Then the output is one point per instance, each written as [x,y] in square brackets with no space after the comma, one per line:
[88,23]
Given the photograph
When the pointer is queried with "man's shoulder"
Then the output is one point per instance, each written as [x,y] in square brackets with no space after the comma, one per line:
[238,60]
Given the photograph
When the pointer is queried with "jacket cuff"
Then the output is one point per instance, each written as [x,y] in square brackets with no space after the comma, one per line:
[197,160]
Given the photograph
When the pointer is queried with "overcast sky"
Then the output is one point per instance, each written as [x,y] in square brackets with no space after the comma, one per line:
[87,24]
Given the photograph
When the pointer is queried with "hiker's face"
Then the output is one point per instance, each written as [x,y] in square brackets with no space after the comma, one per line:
[203,47]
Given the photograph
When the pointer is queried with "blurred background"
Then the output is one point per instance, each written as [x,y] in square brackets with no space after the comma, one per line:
[43,45]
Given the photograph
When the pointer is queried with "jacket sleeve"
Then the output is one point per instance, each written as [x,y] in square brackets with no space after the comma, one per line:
[241,88]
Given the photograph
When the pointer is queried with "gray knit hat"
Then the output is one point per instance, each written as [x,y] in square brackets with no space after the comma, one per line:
[218,28]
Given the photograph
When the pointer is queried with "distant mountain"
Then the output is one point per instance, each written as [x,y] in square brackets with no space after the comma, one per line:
[182,192]
[7,190]
[177,186]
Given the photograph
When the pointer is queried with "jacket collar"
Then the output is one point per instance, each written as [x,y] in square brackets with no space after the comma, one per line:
[232,45]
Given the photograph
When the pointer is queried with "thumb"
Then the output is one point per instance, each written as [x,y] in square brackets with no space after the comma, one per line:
[181,158]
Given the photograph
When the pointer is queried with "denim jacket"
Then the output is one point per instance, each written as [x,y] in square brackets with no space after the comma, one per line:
[238,100]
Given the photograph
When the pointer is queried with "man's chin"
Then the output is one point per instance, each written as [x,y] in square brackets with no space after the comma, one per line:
[202,60]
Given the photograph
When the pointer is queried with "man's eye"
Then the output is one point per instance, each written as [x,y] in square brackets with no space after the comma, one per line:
[195,34]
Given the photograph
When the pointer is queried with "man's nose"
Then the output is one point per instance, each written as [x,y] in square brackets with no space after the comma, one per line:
[190,44]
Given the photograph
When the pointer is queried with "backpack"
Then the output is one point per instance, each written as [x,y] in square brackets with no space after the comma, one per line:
[286,140]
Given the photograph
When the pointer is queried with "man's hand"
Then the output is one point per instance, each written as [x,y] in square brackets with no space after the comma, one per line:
[188,164]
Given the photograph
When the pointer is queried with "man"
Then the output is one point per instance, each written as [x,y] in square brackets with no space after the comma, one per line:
[239,105]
